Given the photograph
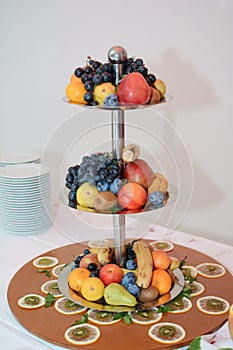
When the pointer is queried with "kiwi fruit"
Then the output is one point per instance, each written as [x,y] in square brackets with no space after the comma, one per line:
[148,294]
[105,201]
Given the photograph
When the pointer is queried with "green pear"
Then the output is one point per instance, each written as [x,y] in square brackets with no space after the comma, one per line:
[116,294]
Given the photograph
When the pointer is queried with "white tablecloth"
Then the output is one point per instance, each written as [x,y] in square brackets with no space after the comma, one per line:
[70,226]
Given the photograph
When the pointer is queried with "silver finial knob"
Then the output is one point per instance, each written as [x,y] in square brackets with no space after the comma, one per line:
[117,54]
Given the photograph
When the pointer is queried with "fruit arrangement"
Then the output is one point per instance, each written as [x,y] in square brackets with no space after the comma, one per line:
[108,185]
[96,83]
[146,276]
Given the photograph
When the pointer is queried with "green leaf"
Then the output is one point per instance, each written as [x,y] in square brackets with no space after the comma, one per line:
[164,309]
[47,273]
[127,319]
[124,316]
[84,319]
[49,300]
[195,344]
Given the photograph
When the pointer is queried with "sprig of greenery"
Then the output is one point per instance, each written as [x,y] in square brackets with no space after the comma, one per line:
[123,316]
[195,344]
[164,309]
[47,273]
[185,293]
[84,319]
[49,300]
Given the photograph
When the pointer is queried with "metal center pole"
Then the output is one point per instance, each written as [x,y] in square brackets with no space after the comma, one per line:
[118,144]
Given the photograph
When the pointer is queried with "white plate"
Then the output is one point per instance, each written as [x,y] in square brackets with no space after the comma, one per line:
[18,158]
[24,171]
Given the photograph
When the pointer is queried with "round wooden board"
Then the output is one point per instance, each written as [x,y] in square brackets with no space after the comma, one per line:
[50,325]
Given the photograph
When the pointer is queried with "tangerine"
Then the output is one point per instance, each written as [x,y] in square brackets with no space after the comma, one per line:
[77,277]
[161,280]
[75,92]
[92,288]
[161,259]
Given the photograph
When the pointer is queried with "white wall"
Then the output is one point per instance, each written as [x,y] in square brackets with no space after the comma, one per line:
[186,43]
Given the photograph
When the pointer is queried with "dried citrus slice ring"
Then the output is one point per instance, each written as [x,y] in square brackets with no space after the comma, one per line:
[97,244]
[167,333]
[82,334]
[146,316]
[189,271]
[31,301]
[52,288]
[167,246]
[44,262]
[179,306]
[213,305]
[211,270]
[68,307]
[196,288]
[102,317]
[57,270]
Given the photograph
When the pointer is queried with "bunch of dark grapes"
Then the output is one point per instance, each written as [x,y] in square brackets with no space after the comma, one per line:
[94,73]
[137,65]
[99,170]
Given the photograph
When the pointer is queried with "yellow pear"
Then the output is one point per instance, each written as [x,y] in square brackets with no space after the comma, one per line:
[160,86]
[101,91]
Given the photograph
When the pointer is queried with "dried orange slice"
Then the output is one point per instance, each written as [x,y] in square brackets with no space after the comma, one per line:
[213,305]
[52,288]
[167,246]
[31,301]
[82,334]
[57,270]
[146,316]
[189,271]
[167,333]
[68,307]
[102,317]
[44,262]
[179,305]
[196,288]
[211,270]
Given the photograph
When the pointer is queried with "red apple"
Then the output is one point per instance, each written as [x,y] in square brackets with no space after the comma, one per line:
[89,258]
[140,172]
[133,89]
[111,273]
[132,196]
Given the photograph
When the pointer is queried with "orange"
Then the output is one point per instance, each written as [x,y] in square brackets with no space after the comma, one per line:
[92,288]
[75,92]
[162,281]
[161,259]
[77,277]
[75,79]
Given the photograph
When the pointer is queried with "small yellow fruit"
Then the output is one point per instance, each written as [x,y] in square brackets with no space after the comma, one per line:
[160,86]
[101,91]
[92,288]
[86,195]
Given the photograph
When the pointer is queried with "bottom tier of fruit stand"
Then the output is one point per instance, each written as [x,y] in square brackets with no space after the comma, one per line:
[49,325]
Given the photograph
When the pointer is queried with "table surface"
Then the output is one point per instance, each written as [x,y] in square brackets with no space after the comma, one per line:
[71,226]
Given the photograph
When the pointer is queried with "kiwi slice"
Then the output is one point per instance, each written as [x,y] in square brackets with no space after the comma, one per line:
[80,333]
[68,307]
[213,305]
[32,300]
[167,331]
[102,317]
[51,287]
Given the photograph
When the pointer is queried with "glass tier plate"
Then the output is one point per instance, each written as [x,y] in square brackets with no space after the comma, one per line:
[121,106]
[77,298]
[172,196]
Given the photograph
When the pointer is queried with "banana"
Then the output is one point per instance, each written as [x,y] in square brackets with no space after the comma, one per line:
[144,263]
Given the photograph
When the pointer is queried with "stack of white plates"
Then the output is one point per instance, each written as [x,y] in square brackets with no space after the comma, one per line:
[18,158]
[25,198]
